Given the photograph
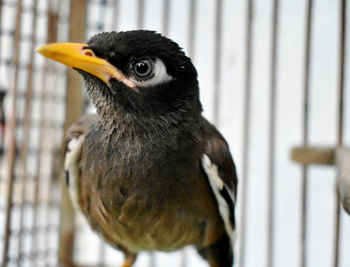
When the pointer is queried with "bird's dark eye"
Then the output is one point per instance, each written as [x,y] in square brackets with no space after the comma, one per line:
[143,68]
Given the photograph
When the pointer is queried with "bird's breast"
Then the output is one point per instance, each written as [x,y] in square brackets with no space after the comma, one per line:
[145,201]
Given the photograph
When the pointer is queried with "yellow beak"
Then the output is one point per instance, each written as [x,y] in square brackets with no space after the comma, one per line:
[79,56]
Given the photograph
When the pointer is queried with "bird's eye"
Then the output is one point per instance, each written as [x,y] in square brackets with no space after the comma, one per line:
[148,72]
[143,68]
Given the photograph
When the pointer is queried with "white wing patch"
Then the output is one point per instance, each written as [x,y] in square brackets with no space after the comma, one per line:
[160,76]
[218,186]
[71,167]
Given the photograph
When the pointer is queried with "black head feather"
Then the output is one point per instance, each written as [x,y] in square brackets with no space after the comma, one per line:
[175,100]
[124,47]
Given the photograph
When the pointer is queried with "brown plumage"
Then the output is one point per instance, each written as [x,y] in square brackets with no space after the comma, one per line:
[149,172]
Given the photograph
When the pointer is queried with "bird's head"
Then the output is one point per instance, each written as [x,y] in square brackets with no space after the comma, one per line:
[139,72]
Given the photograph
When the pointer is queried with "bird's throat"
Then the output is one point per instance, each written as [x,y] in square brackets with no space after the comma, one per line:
[123,114]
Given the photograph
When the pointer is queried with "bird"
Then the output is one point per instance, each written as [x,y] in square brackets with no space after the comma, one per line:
[148,171]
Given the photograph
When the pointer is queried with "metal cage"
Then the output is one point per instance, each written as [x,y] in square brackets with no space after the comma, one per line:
[273,79]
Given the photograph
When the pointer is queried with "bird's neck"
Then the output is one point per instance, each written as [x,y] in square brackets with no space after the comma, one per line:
[116,125]
[124,116]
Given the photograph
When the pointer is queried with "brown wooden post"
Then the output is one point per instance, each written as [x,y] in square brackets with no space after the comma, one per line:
[10,155]
[74,109]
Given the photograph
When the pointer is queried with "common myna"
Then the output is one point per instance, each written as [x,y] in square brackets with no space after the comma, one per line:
[149,172]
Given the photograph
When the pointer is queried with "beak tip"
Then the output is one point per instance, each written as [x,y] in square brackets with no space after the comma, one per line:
[40,49]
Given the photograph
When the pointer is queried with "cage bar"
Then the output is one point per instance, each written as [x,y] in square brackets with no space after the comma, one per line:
[272,135]
[23,175]
[116,12]
[52,29]
[12,142]
[217,62]
[140,14]
[192,26]
[165,17]
[74,109]
[340,130]
[0,27]
[246,128]
[305,130]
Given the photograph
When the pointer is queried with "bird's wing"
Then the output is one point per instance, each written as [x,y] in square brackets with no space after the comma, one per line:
[220,169]
[74,141]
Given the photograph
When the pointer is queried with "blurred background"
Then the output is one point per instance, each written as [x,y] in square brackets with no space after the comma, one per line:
[273,79]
